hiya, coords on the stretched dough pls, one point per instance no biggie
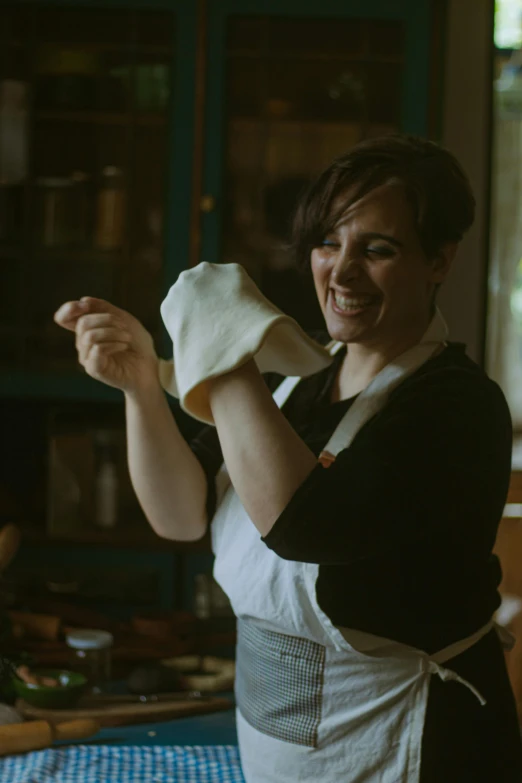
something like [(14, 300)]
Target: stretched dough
[(217, 320)]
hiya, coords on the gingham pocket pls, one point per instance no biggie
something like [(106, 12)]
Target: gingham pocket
[(279, 683)]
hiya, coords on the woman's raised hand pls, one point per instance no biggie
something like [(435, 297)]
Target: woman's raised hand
[(112, 345)]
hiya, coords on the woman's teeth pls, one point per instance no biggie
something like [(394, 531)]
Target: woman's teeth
[(349, 303)]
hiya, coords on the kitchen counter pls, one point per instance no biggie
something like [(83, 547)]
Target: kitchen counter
[(202, 749), (219, 728)]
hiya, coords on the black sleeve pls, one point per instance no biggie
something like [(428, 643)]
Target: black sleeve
[(434, 462)]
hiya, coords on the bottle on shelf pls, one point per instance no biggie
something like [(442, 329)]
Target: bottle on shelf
[(106, 486), (13, 131), (110, 210), (80, 207), (54, 211)]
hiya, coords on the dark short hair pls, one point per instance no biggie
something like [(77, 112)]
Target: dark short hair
[(434, 182)]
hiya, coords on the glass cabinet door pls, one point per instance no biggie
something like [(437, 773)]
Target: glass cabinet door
[(297, 92), (84, 105)]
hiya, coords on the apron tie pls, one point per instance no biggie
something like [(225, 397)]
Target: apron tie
[(448, 675)]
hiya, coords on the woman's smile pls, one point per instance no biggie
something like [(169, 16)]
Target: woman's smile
[(351, 305)]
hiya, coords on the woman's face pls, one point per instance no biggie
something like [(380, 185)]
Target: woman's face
[(372, 278)]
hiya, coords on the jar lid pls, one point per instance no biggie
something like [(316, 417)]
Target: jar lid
[(112, 171), (79, 177), (89, 639), (54, 182)]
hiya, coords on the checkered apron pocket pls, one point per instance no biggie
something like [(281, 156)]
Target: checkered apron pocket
[(279, 683)]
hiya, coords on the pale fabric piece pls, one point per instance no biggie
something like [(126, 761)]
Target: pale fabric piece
[(375, 690), (504, 337), (217, 320)]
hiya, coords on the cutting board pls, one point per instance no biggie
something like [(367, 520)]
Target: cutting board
[(125, 714)]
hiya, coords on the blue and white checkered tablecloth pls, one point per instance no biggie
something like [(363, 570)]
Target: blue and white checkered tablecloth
[(133, 764)]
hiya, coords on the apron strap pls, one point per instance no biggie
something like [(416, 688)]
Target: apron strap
[(284, 390), (452, 650), (374, 397), (286, 387), (432, 664), (447, 675)]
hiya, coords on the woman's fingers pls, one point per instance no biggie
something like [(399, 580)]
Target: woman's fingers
[(86, 323), (103, 336), (68, 314), (98, 355), (112, 345), (105, 349), (93, 305)]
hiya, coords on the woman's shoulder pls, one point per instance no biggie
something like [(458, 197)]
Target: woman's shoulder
[(452, 378)]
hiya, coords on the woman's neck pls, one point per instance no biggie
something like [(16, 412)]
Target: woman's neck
[(363, 362), (354, 375)]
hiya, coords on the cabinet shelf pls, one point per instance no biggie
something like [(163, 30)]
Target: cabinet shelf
[(79, 256), (144, 119), (347, 57), (120, 47)]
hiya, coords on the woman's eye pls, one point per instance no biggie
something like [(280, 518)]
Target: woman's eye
[(329, 243), (381, 251)]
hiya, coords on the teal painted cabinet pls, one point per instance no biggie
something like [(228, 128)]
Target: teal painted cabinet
[(291, 85), (96, 144), (138, 138)]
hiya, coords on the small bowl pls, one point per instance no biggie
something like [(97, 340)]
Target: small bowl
[(67, 694)]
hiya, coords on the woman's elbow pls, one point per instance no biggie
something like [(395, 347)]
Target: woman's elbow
[(188, 532)]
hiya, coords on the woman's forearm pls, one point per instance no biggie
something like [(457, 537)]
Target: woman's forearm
[(168, 480), (267, 461)]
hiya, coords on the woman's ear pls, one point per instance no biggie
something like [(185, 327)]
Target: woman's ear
[(442, 261)]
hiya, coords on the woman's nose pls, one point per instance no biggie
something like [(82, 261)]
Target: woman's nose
[(346, 267)]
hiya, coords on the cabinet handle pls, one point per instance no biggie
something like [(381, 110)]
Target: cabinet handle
[(207, 203)]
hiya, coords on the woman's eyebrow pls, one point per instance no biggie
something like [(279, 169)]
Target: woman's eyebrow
[(369, 235), (366, 236)]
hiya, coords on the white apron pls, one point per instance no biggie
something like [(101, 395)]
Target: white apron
[(316, 702)]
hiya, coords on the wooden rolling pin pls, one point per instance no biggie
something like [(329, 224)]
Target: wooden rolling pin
[(38, 626), (38, 734)]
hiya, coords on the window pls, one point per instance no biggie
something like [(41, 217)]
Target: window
[(504, 327)]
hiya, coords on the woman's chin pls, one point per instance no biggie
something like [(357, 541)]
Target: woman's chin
[(349, 329)]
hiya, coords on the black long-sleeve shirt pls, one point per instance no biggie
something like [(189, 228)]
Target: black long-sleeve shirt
[(402, 526), (403, 523)]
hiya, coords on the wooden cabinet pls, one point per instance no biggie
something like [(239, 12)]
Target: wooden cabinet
[(89, 171), (291, 85), (137, 139)]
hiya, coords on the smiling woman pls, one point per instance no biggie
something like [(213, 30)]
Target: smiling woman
[(364, 582), (380, 228), (383, 223)]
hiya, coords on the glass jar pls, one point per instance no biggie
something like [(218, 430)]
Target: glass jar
[(80, 207), (110, 210), (54, 211), (11, 211), (91, 655)]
